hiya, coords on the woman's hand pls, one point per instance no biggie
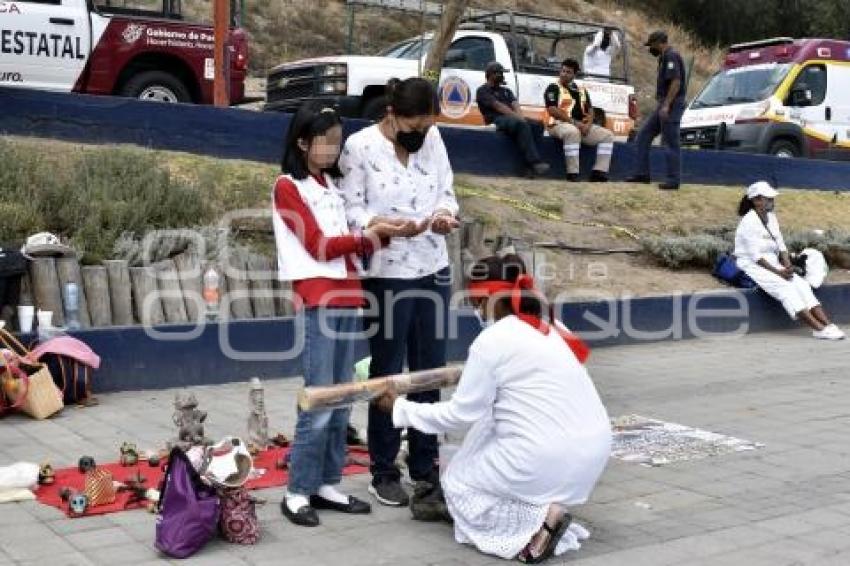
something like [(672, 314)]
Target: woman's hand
[(386, 402), (443, 222), (786, 273)]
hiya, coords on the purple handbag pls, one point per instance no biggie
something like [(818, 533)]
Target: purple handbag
[(188, 509)]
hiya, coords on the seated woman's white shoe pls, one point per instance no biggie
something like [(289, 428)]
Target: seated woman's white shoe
[(830, 332), (838, 330)]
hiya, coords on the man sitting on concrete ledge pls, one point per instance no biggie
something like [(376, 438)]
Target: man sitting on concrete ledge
[(499, 106)]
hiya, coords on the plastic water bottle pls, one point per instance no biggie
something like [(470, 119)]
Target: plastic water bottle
[(72, 306), (211, 292)]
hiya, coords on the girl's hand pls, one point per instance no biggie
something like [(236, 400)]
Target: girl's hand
[(380, 230)]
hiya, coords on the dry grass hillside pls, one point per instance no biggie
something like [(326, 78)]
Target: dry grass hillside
[(286, 30)]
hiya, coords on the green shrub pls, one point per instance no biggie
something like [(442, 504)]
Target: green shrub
[(677, 252), (91, 197)]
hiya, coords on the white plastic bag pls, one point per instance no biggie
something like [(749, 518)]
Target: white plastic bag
[(22, 475)]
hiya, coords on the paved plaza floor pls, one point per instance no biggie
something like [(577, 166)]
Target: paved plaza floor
[(786, 503)]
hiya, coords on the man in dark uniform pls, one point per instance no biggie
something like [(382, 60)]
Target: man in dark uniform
[(667, 117), (499, 106)]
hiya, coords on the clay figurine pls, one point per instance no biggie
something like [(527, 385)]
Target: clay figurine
[(258, 421), (189, 420), (46, 475), (65, 494), (129, 454), (86, 464)]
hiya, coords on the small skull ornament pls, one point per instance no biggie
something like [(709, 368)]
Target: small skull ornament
[(86, 464), (79, 503), (129, 454)]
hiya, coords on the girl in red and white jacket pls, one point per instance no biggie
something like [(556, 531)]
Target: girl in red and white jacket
[(316, 252)]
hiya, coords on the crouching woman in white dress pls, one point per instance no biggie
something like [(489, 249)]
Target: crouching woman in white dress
[(539, 437), (761, 253)]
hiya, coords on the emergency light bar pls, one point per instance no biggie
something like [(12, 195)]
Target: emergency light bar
[(761, 43)]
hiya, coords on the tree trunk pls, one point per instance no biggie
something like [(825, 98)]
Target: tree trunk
[(452, 13)]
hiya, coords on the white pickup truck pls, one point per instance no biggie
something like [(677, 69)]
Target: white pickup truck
[(530, 47)]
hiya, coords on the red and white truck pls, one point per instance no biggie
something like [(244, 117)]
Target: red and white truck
[(137, 48)]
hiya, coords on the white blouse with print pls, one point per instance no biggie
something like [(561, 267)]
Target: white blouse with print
[(755, 241), (376, 183)]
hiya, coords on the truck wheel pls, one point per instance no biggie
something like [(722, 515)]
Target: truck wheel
[(157, 86), (375, 109), (784, 148)]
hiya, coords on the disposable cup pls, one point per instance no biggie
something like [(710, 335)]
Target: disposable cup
[(45, 319), (25, 316)]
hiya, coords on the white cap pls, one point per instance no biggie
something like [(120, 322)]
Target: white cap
[(761, 189)]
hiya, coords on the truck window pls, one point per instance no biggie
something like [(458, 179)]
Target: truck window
[(812, 78), (410, 49), (472, 53), (161, 8)]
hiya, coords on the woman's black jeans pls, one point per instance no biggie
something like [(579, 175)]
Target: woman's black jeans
[(411, 319)]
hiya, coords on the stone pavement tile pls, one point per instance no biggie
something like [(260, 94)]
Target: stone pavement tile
[(16, 514), (31, 541), (111, 536), (65, 525), (789, 525), (124, 553), (42, 512), (69, 558), (792, 551), (826, 539), (839, 559)]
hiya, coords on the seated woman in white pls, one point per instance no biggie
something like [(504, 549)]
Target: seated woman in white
[(761, 253), (539, 437)]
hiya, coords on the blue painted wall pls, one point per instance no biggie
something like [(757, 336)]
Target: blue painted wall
[(258, 136), (133, 360)]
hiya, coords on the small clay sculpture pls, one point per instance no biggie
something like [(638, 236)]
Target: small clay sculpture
[(258, 421), (189, 420), (129, 454), (85, 464), (46, 475)]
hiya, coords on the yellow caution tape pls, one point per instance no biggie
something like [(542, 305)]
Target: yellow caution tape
[(528, 207)]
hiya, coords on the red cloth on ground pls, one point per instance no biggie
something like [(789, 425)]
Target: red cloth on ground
[(71, 477)]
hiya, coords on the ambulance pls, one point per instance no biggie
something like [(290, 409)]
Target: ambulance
[(782, 96), (138, 48)]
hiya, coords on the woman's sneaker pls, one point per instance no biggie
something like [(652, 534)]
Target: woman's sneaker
[(830, 332), (389, 492)]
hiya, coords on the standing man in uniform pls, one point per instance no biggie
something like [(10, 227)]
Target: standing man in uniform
[(499, 106), (569, 118), (667, 117)]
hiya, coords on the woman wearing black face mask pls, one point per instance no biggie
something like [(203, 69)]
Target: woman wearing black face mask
[(397, 171)]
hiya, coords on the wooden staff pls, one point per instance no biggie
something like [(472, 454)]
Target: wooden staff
[(344, 394)]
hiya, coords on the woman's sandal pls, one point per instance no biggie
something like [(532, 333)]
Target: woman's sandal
[(556, 533)]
